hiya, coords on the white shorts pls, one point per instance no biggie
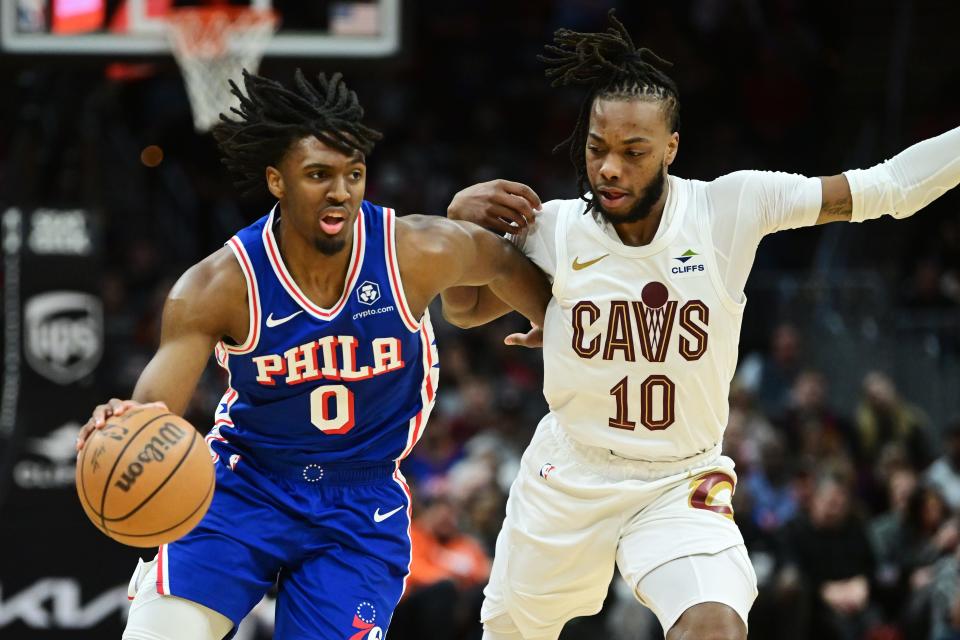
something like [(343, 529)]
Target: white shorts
[(576, 511)]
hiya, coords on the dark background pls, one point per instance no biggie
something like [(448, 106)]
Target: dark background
[(812, 87)]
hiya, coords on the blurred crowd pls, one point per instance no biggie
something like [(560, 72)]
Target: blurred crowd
[(850, 513)]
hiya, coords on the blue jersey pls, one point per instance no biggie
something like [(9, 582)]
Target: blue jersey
[(321, 406), (355, 382)]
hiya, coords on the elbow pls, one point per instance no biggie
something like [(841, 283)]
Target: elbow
[(459, 319)]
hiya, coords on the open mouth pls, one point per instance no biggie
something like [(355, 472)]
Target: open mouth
[(332, 223), (611, 197)]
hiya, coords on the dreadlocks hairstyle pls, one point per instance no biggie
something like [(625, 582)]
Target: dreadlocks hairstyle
[(614, 69), (272, 117)]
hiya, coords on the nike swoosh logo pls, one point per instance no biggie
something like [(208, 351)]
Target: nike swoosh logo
[(577, 265), (273, 323), (380, 517)]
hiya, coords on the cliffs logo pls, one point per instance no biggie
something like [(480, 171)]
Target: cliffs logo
[(51, 460), (64, 334), (687, 268)]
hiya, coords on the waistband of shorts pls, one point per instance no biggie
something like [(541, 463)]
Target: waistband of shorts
[(321, 472), (610, 462)]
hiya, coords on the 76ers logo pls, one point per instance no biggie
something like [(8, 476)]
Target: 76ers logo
[(364, 619)]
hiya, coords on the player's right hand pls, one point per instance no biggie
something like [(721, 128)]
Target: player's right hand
[(532, 339), (102, 412), (499, 205)]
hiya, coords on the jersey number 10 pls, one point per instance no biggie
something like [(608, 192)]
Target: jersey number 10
[(654, 415)]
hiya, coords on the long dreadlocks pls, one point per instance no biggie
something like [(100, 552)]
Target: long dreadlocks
[(272, 117), (614, 69)]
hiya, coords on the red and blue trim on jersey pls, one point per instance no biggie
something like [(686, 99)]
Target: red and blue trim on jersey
[(284, 414)]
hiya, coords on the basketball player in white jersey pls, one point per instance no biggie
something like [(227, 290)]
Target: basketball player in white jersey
[(640, 344)]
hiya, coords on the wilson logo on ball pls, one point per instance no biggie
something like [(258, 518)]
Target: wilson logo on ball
[(154, 451)]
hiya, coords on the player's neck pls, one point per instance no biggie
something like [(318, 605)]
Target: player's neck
[(642, 232), (319, 276)]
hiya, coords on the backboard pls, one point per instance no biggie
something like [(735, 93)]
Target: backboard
[(308, 28)]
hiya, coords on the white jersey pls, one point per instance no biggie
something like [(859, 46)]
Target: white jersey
[(640, 343)]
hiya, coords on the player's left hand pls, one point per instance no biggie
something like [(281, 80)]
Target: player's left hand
[(532, 339)]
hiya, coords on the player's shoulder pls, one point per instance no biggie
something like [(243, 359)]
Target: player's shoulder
[(424, 229), (209, 298), (553, 211), (215, 280), (427, 236)]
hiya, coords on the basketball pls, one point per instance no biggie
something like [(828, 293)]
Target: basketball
[(146, 478)]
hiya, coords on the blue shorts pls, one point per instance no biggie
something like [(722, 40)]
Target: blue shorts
[(334, 537)]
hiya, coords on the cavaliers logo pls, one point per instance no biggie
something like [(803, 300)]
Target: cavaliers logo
[(648, 322), (713, 491)]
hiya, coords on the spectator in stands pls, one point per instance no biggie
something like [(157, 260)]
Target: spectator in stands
[(829, 549), (447, 574), (884, 417), (771, 487), (748, 429), (932, 534), (811, 426), (886, 536), (771, 376), (944, 473), (945, 599)]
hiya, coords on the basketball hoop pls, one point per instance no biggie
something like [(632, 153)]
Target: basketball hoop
[(213, 45)]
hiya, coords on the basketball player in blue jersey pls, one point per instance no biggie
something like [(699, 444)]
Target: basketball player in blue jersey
[(640, 344), (318, 312)]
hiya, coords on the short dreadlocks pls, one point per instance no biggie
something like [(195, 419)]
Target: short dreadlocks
[(614, 69), (272, 117)]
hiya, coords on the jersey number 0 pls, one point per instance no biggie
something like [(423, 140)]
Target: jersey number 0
[(331, 409)]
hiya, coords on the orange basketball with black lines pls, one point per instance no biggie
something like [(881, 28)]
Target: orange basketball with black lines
[(146, 478)]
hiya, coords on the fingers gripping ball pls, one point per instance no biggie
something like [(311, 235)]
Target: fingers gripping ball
[(146, 478)]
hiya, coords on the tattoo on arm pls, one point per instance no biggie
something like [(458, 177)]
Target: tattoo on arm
[(837, 204)]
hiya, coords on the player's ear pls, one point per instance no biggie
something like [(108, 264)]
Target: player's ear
[(275, 182), (672, 145)]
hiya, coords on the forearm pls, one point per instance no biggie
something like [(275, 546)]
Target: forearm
[(172, 375), (174, 392), (907, 182), (521, 285), (467, 307)]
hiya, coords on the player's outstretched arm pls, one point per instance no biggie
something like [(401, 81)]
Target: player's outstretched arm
[(437, 254), (206, 303), (502, 206), (900, 187)]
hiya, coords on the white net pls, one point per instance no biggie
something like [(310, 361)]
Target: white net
[(213, 45)]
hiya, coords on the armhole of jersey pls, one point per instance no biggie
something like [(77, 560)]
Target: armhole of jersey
[(253, 300), (706, 232), (393, 271), (560, 241)]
